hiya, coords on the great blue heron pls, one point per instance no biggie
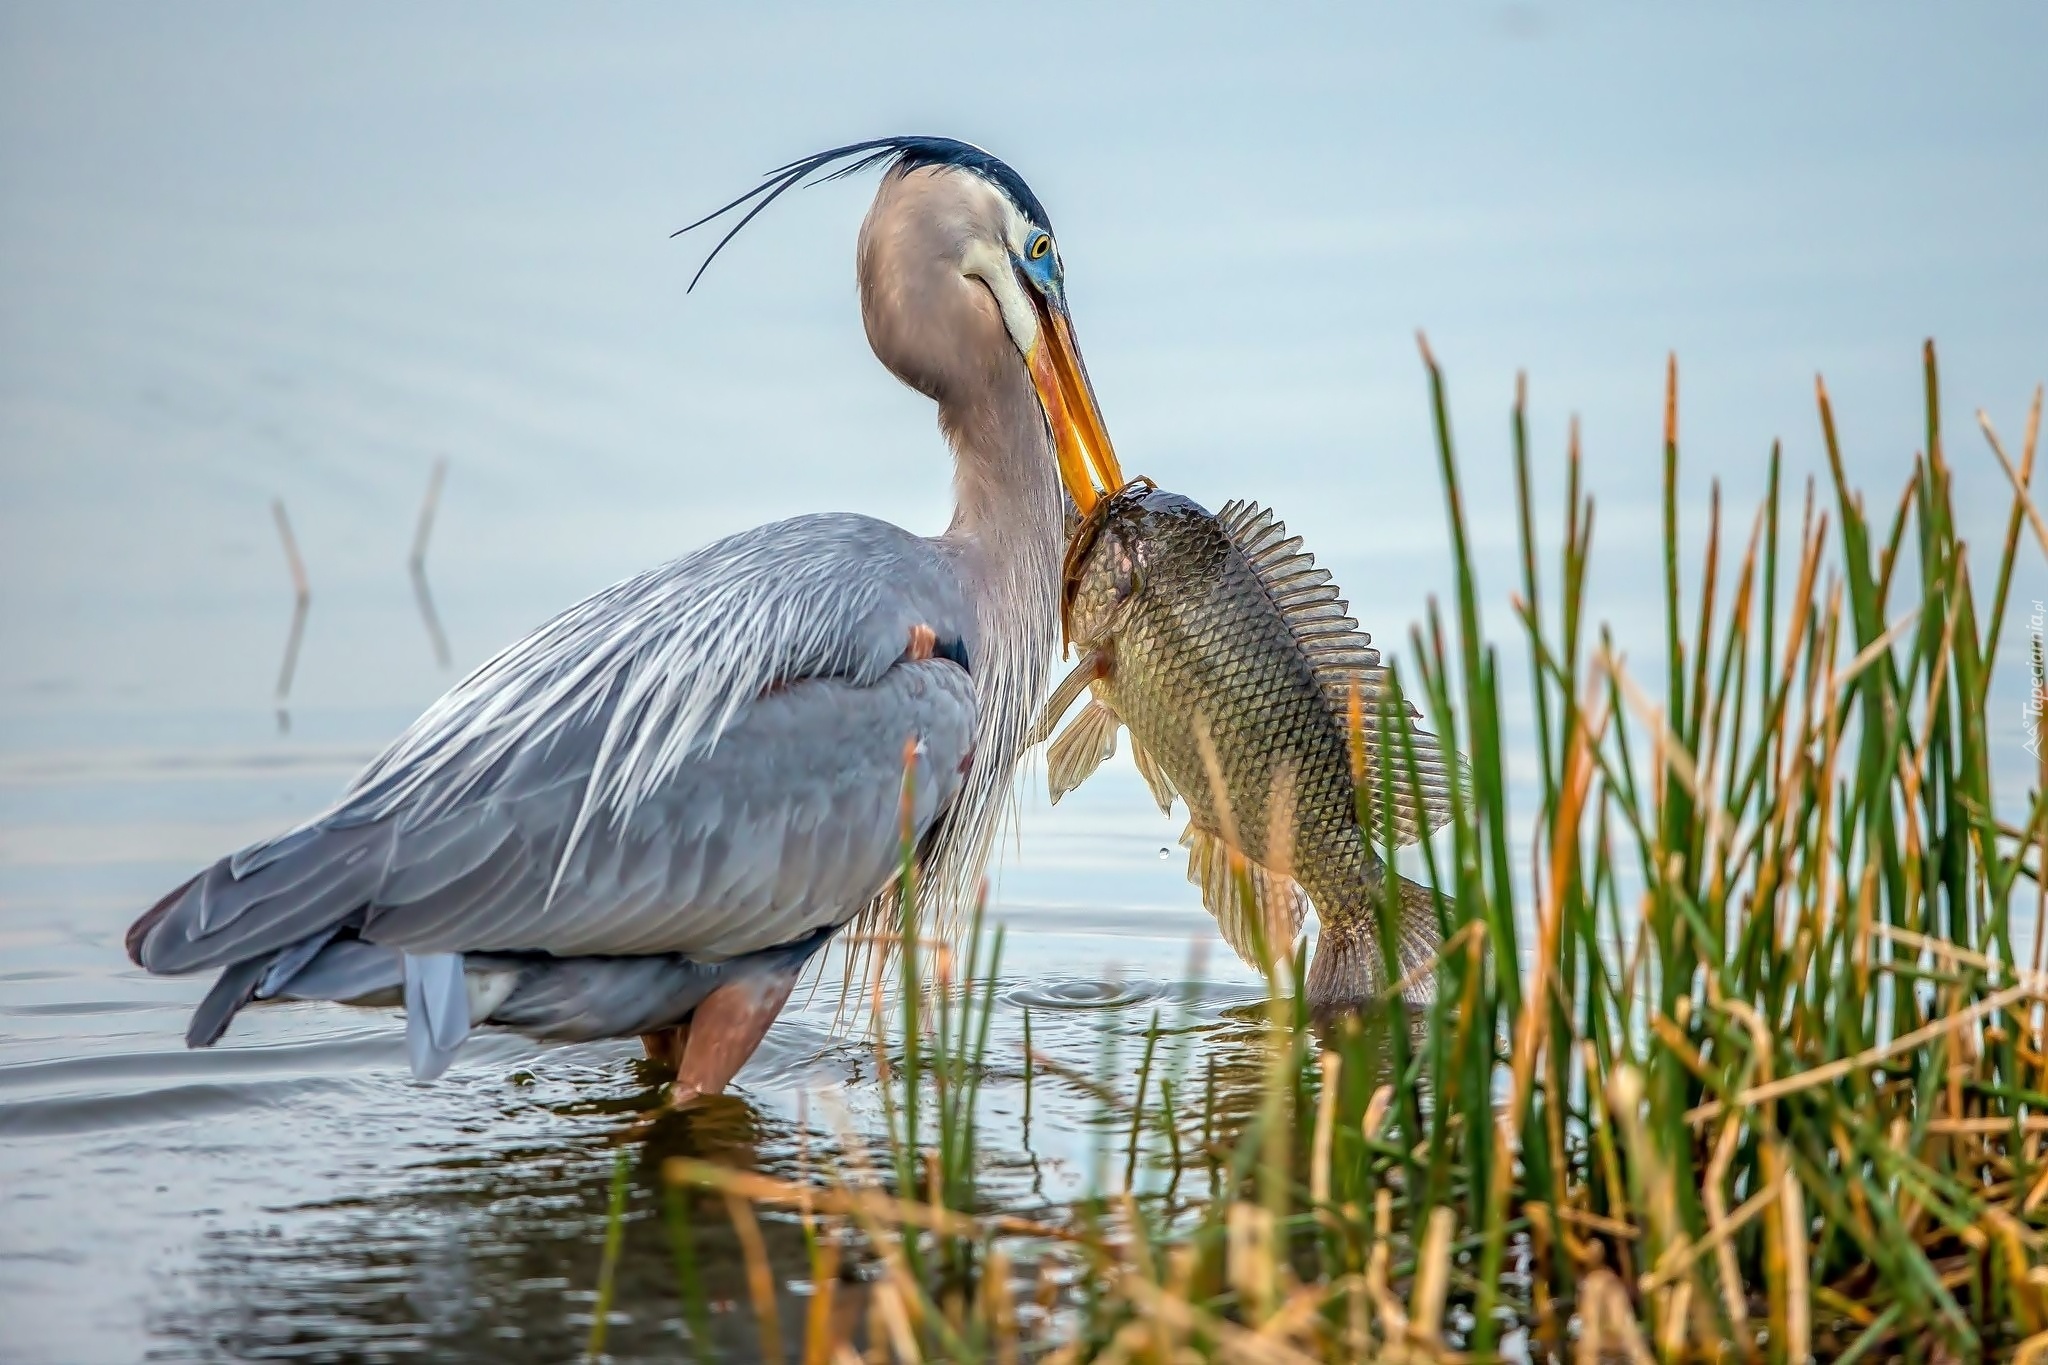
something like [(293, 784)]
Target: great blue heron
[(647, 815)]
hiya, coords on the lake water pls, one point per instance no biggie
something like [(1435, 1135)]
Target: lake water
[(255, 253)]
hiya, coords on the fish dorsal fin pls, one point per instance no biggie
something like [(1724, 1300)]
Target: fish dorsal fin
[(1163, 790), (1081, 748), (1342, 657), (1278, 904)]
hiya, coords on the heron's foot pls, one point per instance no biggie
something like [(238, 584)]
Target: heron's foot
[(725, 1030), (666, 1045), (924, 642)]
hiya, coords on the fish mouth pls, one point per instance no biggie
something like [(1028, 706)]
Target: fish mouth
[(1078, 549), (1087, 460)]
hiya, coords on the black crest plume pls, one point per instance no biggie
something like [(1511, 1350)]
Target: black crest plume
[(855, 157)]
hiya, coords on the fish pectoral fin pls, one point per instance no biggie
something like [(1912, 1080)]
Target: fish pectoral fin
[(1063, 698), (1277, 906), (1163, 790), (1081, 748)]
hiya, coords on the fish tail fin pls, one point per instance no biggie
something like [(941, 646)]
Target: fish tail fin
[(1348, 970)]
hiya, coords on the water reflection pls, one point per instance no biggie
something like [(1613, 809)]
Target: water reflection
[(489, 1246), (492, 1254)]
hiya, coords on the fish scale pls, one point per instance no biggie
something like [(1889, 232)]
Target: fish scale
[(1196, 627)]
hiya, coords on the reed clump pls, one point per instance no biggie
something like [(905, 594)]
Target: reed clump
[(1745, 1066)]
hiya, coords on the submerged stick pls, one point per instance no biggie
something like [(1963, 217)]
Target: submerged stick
[(302, 601), (416, 563)]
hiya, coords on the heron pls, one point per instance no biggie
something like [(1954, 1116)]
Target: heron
[(645, 817)]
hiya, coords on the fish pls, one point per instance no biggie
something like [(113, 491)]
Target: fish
[(1229, 656)]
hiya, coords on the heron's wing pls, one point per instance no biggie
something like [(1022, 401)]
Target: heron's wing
[(669, 658), (699, 759), (790, 824)]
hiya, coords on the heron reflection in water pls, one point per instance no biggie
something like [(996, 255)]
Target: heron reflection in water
[(646, 816)]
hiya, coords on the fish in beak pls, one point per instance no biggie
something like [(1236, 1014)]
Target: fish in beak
[(1087, 461)]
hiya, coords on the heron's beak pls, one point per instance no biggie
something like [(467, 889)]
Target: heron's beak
[(1088, 464)]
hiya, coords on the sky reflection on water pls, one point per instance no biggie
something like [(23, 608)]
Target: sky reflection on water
[(298, 253)]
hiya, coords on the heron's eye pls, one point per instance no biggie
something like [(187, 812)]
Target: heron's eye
[(1039, 246)]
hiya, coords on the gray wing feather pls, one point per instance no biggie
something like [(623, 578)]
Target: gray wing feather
[(788, 826), (232, 989), (748, 846), (705, 760), (572, 999), (669, 659), (350, 970), (222, 918)]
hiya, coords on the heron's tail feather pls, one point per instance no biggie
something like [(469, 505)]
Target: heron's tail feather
[(439, 996), (232, 989), (263, 900), (436, 1011)]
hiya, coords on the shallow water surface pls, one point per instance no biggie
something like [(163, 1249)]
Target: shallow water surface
[(301, 253), (293, 1192)]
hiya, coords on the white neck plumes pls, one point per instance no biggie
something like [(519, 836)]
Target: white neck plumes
[(1007, 538)]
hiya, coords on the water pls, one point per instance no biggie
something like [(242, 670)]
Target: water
[(248, 254)]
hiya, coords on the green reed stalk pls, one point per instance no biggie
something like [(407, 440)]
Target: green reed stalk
[(608, 1268), (689, 1283), (1770, 1081)]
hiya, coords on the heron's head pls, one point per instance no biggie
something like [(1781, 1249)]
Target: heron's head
[(961, 281)]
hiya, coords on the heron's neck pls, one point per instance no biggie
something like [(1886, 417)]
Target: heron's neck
[(1008, 511), (1009, 525)]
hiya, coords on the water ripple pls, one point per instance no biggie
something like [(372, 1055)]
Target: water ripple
[(66, 1115), (1083, 994)]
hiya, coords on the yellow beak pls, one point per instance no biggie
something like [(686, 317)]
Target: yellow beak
[(1087, 461)]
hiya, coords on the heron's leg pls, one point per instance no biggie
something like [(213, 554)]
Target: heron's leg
[(924, 642), (724, 1031), (666, 1045)]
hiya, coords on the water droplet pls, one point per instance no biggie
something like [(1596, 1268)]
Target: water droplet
[(1165, 853)]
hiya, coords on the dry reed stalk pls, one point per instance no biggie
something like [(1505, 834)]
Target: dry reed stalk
[(1234, 1343), (1798, 1293), (760, 1278), (1432, 1277), (1249, 1260), (895, 1324), (1835, 1070), (1331, 1066), (2021, 498), (874, 1203), (820, 1330), (1678, 1260), (1000, 1306)]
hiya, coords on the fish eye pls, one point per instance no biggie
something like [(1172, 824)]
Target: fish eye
[(1040, 244)]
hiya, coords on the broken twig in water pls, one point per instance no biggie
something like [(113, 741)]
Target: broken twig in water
[(422, 595), (302, 601)]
